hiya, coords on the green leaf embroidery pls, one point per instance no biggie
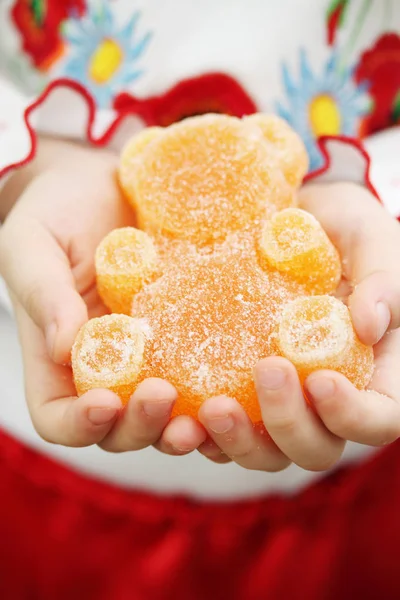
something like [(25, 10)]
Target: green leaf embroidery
[(340, 6), (396, 108), (38, 8)]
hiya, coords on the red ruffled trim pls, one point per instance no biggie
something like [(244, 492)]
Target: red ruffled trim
[(322, 144), (150, 111), (80, 89), (210, 92)]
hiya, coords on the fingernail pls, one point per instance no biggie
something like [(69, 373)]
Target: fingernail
[(221, 424), (157, 409), (383, 320), (321, 388), (272, 379), (101, 416), (51, 335)]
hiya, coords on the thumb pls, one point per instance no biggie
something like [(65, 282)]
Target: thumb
[(38, 274), (375, 305), (368, 238)]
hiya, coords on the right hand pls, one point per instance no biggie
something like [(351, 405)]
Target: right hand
[(47, 247)]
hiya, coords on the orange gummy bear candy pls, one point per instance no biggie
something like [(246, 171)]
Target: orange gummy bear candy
[(223, 271)]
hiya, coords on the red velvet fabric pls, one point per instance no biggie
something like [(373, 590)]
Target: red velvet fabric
[(67, 537)]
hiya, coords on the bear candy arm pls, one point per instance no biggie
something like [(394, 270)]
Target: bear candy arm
[(126, 259), (293, 242)]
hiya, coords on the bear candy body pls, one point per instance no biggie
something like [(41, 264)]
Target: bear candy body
[(222, 271)]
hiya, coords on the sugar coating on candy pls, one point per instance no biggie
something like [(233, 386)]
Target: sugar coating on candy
[(218, 265), (213, 316), (131, 155), (108, 353), (293, 241), (125, 260), (205, 177), (317, 333), (289, 149)]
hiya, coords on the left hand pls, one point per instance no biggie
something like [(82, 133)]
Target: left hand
[(369, 238)]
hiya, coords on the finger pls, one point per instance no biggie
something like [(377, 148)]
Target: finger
[(368, 239), (181, 436), (213, 452), (78, 422), (290, 421), (144, 418), (386, 376), (57, 414), (38, 274), (368, 417), (230, 428), (375, 306)]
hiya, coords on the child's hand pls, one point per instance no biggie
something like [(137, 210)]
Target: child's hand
[(369, 239), (47, 247)]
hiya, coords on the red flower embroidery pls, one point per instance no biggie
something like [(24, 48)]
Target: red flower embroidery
[(38, 22), (214, 92), (380, 69)]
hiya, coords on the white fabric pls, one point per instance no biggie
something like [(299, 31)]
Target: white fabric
[(384, 148), (15, 140), (251, 41)]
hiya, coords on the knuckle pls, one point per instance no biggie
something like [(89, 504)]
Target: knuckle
[(127, 441), (337, 416), (242, 455), (117, 446), (110, 447), (391, 434), (346, 423), (147, 437), (278, 464), (220, 459), (284, 425), (30, 298), (213, 453), (42, 430), (320, 463)]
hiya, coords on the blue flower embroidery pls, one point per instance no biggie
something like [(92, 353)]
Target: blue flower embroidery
[(327, 104), (101, 56)]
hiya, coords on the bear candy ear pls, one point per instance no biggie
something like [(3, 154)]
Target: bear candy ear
[(288, 147), (130, 158)]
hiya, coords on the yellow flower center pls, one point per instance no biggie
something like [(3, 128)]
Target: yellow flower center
[(105, 61), (324, 115)]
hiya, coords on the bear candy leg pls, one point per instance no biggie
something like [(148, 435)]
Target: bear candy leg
[(316, 332), (108, 353)]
